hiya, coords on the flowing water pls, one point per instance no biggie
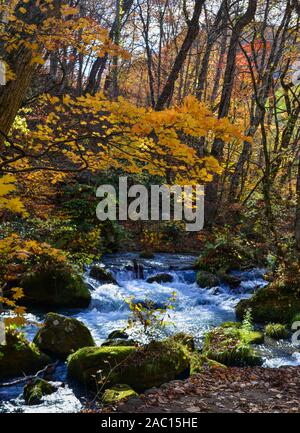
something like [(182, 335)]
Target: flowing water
[(196, 311)]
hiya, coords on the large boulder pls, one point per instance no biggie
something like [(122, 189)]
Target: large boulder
[(102, 275), (60, 336), (18, 356), (231, 346), (55, 288), (117, 393), (35, 390), (223, 257), (277, 302), (160, 278), (141, 368)]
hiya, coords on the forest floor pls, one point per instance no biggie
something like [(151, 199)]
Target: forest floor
[(233, 389)]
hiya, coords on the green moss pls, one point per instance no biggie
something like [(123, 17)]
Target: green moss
[(231, 346), (141, 368), (55, 288), (117, 393), (295, 318), (160, 278), (34, 391), (60, 336), (18, 356), (273, 303), (199, 362), (206, 279), (186, 340), (276, 331)]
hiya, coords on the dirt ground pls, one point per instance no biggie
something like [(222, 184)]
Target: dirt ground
[(231, 390)]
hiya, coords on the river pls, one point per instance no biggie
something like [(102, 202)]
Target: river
[(196, 311)]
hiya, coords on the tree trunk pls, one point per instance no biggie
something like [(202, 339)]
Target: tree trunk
[(164, 98)]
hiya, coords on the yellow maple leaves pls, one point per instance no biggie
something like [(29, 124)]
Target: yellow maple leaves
[(14, 204)]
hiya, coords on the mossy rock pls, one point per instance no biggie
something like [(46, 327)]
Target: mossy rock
[(119, 342), (146, 255), (118, 333), (117, 393), (186, 340), (231, 346), (250, 337), (18, 356), (160, 278), (55, 288), (276, 331), (274, 303), (223, 257), (35, 390), (60, 336), (141, 368), (199, 362), (101, 274), (206, 279)]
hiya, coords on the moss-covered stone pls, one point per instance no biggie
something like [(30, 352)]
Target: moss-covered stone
[(199, 362), (117, 393), (60, 336), (161, 278), (249, 337), (206, 279), (273, 303), (146, 255), (18, 356), (54, 288), (186, 340), (119, 342), (223, 257), (276, 331), (118, 333), (35, 390), (101, 274), (231, 346), (140, 368)]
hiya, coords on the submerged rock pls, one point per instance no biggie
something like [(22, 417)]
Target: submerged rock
[(206, 279), (231, 280), (18, 356), (101, 274), (146, 255), (140, 368), (55, 288), (117, 393), (160, 278), (60, 336), (35, 390)]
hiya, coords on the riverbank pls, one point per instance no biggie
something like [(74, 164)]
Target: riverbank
[(230, 390)]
